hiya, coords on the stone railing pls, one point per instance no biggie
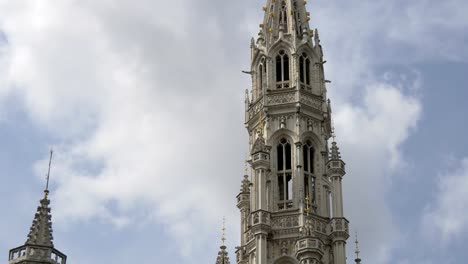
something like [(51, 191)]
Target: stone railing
[(36, 253), (339, 229), (285, 205), (260, 156), (281, 98), (287, 221), (311, 100), (261, 217), (340, 224), (308, 244), (255, 108)]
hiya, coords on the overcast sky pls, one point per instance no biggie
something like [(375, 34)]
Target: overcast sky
[(142, 102)]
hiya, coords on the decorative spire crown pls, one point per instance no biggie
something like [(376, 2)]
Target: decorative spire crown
[(223, 257), (40, 233), (335, 153), (358, 260), (285, 17)]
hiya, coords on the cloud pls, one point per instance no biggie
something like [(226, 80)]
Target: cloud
[(370, 136), (445, 218), (144, 112)]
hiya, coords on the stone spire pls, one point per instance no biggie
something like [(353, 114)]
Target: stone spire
[(40, 233), (358, 260), (285, 17), (39, 247), (223, 257)]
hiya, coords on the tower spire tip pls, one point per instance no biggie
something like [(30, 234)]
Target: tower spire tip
[(223, 229), (46, 191)]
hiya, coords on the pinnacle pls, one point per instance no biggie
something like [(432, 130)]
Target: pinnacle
[(287, 16), (335, 154), (40, 233)]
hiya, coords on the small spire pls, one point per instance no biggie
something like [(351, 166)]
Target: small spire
[(223, 257), (40, 233), (358, 260)]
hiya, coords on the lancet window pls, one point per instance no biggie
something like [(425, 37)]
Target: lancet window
[(304, 69), (261, 78), (282, 70), (284, 161), (309, 176)]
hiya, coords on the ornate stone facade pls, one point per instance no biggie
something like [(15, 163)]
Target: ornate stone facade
[(291, 204)]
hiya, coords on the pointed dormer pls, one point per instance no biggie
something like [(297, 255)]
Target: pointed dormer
[(39, 247)]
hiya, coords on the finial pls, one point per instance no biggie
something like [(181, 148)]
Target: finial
[(223, 237), (358, 260), (333, 130), (46, 191)]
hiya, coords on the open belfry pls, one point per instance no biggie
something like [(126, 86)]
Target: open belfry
[(291, 204)]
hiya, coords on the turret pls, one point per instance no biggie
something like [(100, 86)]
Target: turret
[(339, 224), (288, 119)]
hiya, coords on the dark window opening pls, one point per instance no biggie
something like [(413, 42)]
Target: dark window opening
[(308, 153), (282, 70), (285, 180), (301, 66), (304, 69), (286, 67), (288, 156), (281, 188), (280, 157), (278, 68)]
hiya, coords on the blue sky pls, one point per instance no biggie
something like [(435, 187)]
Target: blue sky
[(143, 104)]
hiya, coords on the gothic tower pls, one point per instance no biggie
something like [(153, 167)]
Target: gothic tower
[(39, 247), (292, 205)]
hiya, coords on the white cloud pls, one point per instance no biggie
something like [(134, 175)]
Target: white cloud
[(446, 219), (370, 136)]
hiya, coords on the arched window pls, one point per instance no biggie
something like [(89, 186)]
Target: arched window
[(283, 16), (284, 165), (304, 69), (282, 70), (309, 176)]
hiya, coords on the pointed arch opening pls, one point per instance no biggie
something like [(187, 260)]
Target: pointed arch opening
[(284, 173), (304, 71), (283, 17), (282, 70), (308, 154)]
